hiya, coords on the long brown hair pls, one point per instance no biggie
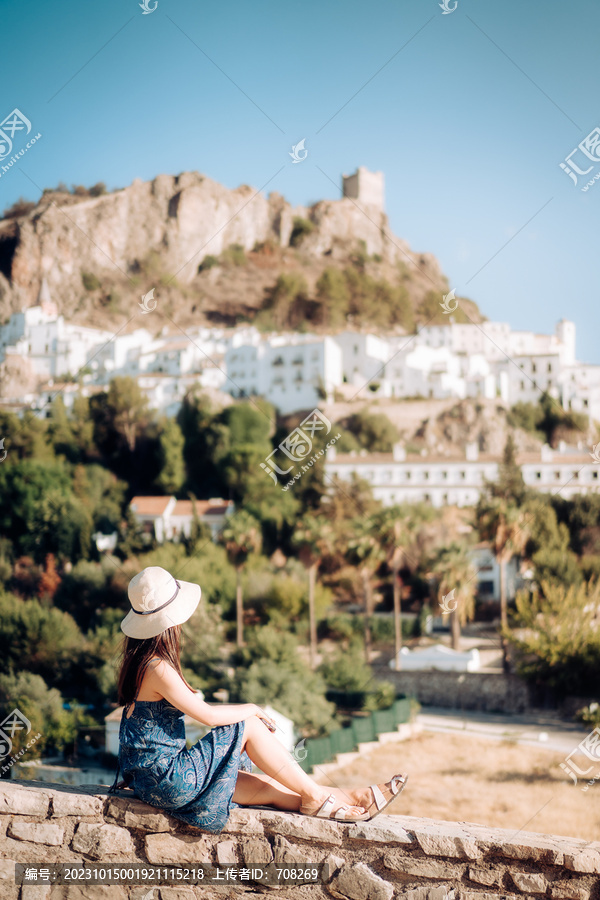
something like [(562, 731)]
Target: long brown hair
[(137, 653)]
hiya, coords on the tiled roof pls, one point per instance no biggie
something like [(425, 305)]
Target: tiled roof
[(215, 506), (149, 506)]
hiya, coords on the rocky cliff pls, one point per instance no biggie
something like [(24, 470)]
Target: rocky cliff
[(99, 253)]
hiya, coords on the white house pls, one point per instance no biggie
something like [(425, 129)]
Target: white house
[(168, 519), (292, 372), (458, 480)]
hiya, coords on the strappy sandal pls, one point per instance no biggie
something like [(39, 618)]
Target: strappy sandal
[(395, 786), (326, 811)]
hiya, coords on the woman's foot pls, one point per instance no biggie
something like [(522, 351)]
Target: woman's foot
[(338, 806), (366, 798)]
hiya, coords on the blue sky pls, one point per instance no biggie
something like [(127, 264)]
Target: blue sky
[(468, 115)]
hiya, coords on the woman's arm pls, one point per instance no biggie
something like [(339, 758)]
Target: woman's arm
[(163, 679)]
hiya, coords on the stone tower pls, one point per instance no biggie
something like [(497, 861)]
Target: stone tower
[(367, 188)]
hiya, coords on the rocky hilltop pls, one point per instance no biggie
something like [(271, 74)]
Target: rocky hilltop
[(99, 253)]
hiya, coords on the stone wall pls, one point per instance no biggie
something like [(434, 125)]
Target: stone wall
[(485, 692), (394, 856)]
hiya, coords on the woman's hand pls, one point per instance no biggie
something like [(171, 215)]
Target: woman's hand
[(261, 714)]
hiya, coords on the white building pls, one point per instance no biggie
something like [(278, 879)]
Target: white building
[(458, 480), (169, 519), (290, 371)]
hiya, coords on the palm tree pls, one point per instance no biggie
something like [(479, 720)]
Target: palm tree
[(457, 585), (313, 537), (505, 526), (365, 549), (241, 536), (399, 529)]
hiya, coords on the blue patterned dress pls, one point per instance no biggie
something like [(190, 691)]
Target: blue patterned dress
[(195, 784)]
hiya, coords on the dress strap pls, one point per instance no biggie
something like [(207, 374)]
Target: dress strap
[(113, 788)]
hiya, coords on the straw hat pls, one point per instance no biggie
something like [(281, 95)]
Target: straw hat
[(158, 602)]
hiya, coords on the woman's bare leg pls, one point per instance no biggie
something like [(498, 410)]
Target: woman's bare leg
[(270, 755), (260, 790)]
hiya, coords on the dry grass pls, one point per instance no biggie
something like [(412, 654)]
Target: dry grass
[(469, 779)]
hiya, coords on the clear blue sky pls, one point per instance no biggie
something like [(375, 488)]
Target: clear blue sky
[(467, 114)]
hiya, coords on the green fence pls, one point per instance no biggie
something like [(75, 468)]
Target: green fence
[(364, 728)]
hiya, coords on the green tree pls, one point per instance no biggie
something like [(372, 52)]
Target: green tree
[(400, 529), (171, 443), (505, 526), (313, 537), (241, 536), (373, 431), (558, 639), (44, 707), (333, 298), (271, 671), (457, 586), (127, 408), (365, 550)]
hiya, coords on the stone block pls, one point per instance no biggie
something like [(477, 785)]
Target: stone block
[(7, 871), (484, 876), (226, 855), (544, 850), (381, 833), (530, 882), (422, 868), (334, 865), (36, 891), (587, 861), (360, 883), (182, 893), (95, 892), (22, 800), (444, 845), (65, 803), (136, 814), (485, 895), (244, 821), (569, 890), (305, 827), (178, 849), (103, 842), (256, 851), (37, 832), (289, 854)]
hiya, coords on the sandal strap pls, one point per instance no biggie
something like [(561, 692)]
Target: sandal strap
[(324, 811), (379, 798), (339, 813)]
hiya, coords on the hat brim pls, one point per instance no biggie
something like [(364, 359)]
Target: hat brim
[(176, 613)]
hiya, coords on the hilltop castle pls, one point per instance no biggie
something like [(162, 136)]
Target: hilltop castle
[(367, 188)]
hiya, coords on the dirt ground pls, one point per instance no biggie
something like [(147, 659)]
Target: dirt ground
[(469, 779)]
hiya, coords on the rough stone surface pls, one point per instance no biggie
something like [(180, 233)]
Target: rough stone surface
[(135, 814), (399, 856), (529, 882), (424, 868), (441, 845), (38, 833), (24, 801), (226, 853), (257, 851), (103, 842), (36, 892), (584, 861), (178, 849), (289, 854), (73, 804), (569, 891), (360, 883), (304, 827), (484, 876)]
